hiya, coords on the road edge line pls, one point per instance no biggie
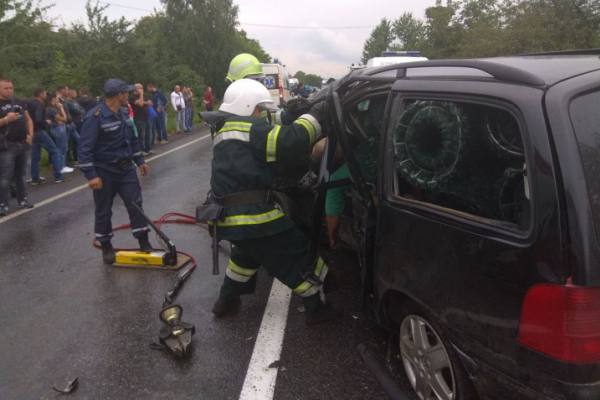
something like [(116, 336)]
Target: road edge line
[(260, 380), (78, 188)]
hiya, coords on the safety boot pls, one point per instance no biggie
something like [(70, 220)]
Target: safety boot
[(318, 312), (108, 253), (145, 246), (223, 307)]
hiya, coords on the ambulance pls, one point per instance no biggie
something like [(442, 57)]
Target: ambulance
[(277, 80)]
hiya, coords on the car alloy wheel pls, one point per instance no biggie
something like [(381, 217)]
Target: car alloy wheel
[(426, 360)]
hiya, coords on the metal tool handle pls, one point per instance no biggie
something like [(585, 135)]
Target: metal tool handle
[(215, 249), (160, 233)]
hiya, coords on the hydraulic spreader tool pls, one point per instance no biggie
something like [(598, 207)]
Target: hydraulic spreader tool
[(175, 334)]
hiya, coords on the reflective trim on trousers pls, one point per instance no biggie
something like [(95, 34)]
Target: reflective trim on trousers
[(239, 220), (238, 273), (100, 235), (306, 289), (140, 229), (272, 143)]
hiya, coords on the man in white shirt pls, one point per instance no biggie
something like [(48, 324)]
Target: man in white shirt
[(179, 106)]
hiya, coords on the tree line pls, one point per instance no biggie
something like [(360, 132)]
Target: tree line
[(189, 42), (488, 28)]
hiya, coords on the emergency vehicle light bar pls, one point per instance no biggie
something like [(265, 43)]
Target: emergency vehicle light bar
[(410, 53)]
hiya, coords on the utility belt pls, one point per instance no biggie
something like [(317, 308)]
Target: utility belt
[(213, 210), (122, 163), (214, 207)]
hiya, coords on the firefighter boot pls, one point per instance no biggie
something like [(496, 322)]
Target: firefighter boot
[(223, 307), (108, 253), (317, 311), (145, 246)]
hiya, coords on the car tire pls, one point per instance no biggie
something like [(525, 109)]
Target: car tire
[(428, 360)]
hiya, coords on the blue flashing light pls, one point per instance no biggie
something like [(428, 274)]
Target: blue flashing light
[(409, 53)]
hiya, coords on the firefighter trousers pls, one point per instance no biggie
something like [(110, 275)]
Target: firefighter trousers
[(283, 256)]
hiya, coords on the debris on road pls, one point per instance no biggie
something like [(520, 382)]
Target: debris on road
[(70, 388)]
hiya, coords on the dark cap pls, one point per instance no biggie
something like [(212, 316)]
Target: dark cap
[(113, 87)]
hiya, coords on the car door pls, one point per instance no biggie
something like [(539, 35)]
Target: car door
[(462, 228), (364, 117)]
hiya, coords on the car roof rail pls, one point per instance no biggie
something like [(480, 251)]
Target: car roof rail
[(577, 52), (500, 72)]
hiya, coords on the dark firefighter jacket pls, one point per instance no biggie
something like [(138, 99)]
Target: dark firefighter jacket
[(244, 156)]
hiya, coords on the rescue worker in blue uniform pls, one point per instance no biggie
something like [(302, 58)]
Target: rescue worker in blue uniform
[(246, 150), (108, 149)]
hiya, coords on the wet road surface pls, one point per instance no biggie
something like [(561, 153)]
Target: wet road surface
[(65, 314)]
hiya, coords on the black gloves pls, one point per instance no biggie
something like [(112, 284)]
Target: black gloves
[(297, 106), (319, 111)]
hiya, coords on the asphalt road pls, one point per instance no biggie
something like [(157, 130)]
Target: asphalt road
[(64, 314)]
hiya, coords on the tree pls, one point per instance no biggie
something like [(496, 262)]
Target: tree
[(409, 31), (379, 41), (443, 35), (309, 79), (27, 45)]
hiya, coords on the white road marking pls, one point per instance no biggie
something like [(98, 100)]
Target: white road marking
[(78, 188), (260, 379)]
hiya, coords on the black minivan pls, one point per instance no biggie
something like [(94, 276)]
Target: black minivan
[(476, 204)]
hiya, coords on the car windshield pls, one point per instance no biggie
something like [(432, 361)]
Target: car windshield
[(585, 117)]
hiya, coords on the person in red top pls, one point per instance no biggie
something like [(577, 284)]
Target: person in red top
[(208, 99)]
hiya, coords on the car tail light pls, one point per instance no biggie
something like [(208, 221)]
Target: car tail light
[(562, 322), (280, 92)]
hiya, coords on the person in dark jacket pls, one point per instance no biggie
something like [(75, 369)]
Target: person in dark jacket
[(160, 104), (246, 149), (85, 100), (107, 152), (41, 140), (16, 134), (62, 93)]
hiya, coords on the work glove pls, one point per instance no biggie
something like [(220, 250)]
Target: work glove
[(297, 106), (319, 112)]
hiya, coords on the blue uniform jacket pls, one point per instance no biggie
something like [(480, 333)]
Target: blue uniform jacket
[(158, 99), (106, 139)]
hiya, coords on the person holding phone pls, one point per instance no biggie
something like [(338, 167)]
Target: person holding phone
[(16, 134), (141, 116)]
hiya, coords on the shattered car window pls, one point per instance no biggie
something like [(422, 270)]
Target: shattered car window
[(585, 117), (369, 115), (462, 156)]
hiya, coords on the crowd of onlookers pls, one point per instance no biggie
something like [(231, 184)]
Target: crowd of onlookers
[(56, 118)]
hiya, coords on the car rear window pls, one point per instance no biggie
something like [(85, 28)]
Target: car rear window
[(585, 117)]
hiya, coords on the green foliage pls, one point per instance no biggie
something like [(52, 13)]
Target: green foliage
[(487, 28), (379, 41), (190, 43), (309, 79)]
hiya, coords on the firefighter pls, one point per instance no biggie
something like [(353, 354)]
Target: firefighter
[(108, 149), (246, 66), (246, 149)]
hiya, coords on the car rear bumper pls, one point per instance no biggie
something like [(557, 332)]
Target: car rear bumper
[(492, 384)]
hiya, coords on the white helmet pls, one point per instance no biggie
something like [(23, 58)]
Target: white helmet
[(242, 96)]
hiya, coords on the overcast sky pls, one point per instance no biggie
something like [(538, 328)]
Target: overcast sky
[(326, 52)]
